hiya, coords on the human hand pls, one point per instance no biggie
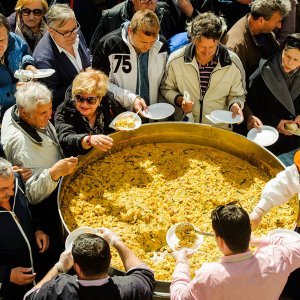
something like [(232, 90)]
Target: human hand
[(66, 261), (256, 217), (254, 122), (236, 110), (110, 236), (42, 240), (25, 173), (186, 7), (139, 104), (18, 276), (31, 68), (281, 127), (101, 142), (63, 167), (183, 254), (187, 106)]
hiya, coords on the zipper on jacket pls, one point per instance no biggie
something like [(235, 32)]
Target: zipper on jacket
[(21, 229), (25, 238)]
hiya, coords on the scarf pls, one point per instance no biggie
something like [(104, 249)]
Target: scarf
[(31, 37)]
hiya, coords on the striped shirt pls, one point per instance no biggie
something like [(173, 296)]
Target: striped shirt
[(205, 72)]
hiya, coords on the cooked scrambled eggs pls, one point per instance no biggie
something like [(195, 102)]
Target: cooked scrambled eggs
[(142, 191)]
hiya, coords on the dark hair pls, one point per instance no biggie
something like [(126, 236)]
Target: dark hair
[(267, 8), (208, 25), (92, 254), (4, 22), (292, 41), (232, 224)]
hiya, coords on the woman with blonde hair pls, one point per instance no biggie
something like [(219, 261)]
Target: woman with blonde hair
[(28, 21), (82, 120)]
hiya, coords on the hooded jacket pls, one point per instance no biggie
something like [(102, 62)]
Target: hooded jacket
[(116, 57)]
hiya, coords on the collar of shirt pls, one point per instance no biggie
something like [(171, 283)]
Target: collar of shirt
[(75, 46), (237, 257), (96, 282), (76, 61)]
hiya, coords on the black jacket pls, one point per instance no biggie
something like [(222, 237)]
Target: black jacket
[(113, 18), (14, 250), (71, 127), (271, 100)]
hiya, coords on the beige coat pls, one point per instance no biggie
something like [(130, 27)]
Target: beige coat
[(226, 86)]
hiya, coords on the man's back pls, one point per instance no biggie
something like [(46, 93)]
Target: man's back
[(246, 276), (137, 284)]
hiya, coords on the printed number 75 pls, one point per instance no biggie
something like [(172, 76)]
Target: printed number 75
[(126, 65)]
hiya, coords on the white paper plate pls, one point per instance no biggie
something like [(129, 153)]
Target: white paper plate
[(284, 233), (77, 232), (172, 239), (41, 73), (225, 116), (124, 115), (210, 118), (265, 136), (159, 111)]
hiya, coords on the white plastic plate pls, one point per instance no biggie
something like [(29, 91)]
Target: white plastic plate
[(225, 116), (265, 136), (158, 111), (41, 73), (284, 232), (77, 232), (173, 240), (126, 114)]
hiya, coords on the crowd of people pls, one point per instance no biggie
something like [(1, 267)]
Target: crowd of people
[(114, 56)]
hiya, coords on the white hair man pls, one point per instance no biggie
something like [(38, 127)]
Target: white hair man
[(29, 140)]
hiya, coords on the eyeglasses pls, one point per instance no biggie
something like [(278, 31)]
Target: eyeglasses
[(68, 33), (89, 100), (36, 12), (146, 1)]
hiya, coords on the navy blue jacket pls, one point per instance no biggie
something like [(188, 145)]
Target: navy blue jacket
[(16, 57), (14, 250), (47, 56)]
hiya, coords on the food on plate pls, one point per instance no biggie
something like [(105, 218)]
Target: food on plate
[(141, 191), (128, 122), (187, 236), (291, 126)]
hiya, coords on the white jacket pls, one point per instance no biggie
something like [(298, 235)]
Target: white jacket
[(28, 148), (280, 189), (119, 59)]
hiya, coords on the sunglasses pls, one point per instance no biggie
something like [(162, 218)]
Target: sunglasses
[(89, 100), (36, 12)]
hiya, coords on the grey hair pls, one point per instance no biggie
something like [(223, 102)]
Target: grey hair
[(207, 25), (58, 15), (31, 94), (5, 168), (266, 8)]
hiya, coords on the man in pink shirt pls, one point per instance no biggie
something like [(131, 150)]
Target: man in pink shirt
[(240, 274)]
